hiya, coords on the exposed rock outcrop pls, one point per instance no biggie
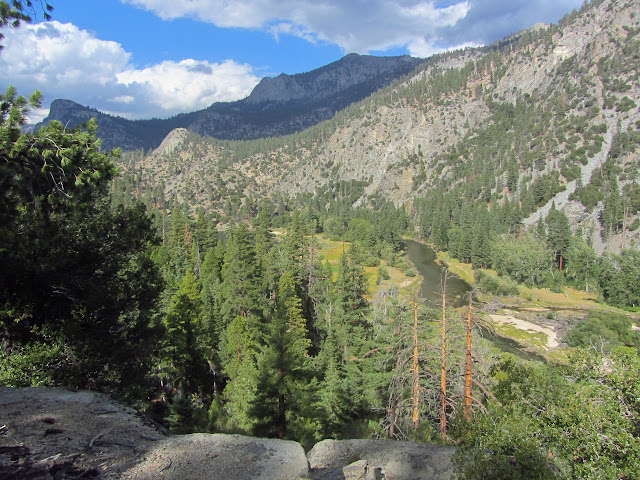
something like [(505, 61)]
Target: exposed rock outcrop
[(49, 433), (48, 430), (204, 456), (376, 459)]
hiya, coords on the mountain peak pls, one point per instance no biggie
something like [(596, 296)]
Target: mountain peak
[(282, 88), (277, 106), (350, 71)]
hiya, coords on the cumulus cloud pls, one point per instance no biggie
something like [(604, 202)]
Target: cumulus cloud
[(420, 48), (488, 21), (372, 25), (190, 83), (64, 61)]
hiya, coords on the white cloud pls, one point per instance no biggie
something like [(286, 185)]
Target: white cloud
[(64, 61), (190, 84), (372, 25), (53, 52), (123, 99), (421, 48), (356, 25)]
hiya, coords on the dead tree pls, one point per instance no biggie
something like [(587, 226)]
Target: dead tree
[(468, 402), (415, 390), (410, 351), (443, 372)]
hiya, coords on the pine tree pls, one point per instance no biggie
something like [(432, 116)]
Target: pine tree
[(558, 235), (335, 405), (183, 352), (242, 292), (282, 365), (75, 272), (238, 353), (612, 206), (353, 307)]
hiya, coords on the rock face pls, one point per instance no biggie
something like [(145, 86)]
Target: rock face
[(376, 459), (76, 433), (172, 141), (48, 433), (325, 82)]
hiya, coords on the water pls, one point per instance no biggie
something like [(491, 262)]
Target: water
[(424, 259)]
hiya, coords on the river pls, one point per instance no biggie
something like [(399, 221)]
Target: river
[(424, 260)]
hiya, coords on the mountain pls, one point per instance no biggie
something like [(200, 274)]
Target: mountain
[(277, 106), (545, 118)]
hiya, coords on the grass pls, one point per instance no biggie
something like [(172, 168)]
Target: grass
[(570, 298), (538, 340), (332, 251), (535, 342), (461, 270)]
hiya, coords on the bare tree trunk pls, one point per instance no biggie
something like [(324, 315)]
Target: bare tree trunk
[(443, 373), (416, 368), (282, 412), (467, 373), (624, 224)]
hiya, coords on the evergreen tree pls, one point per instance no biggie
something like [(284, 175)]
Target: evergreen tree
[(335, 403), (73, 269), (352, 305), (238, 352), (242, 292), (281, 366), (558, 235), (612, 207), (183, 353)]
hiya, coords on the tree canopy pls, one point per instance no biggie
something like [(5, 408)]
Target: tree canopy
[(76, 273)]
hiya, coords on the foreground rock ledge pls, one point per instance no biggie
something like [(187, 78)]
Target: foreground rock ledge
[(48, 433)]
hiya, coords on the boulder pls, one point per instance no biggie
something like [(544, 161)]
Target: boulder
[(374, 459), (219, 456), (53, 433)]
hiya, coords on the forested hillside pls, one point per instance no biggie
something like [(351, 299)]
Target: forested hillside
[(547, 115), (277, 106)]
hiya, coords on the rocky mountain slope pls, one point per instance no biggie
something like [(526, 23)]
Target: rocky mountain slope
[(277, 106), (51, 433), (547, 116)]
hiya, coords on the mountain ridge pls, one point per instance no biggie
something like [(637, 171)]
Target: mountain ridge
[(277, 106), (511, 124)]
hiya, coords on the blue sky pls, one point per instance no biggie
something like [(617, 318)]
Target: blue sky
[(157, 58)]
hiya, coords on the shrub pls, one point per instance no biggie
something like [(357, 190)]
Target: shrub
[(498, 285), (602, 330)]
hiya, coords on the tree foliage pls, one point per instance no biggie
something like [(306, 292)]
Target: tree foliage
[(74, 270)]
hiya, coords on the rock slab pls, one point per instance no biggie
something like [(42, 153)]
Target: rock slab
[(49, 433), (219, 456), (374, 459)]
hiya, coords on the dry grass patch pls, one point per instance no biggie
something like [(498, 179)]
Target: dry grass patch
[(464, 271), (332, 251)]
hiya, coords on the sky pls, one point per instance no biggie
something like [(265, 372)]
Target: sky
[(158, 58)]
